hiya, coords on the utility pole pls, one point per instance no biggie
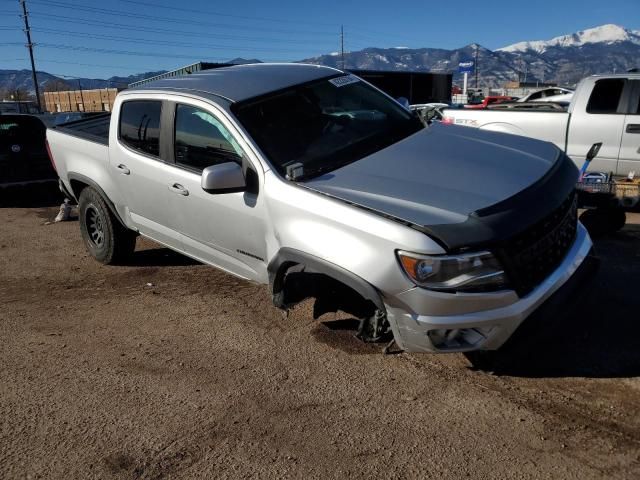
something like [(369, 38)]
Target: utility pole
[(84, 107), (475, 65), (342, 45), (27, 31)]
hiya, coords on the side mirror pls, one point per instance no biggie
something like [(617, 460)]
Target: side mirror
[(223, 178), (593, 151)]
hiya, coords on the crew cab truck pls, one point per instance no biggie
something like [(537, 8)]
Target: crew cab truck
[(314, 182), (604, 108)]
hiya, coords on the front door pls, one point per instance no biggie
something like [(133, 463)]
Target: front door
[(602, 122), (630, 147), (227, 230)]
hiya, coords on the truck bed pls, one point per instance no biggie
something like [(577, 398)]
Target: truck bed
[(95, 129), (547, 125)]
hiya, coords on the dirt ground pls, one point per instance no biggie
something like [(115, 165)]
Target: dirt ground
[(169, 369)]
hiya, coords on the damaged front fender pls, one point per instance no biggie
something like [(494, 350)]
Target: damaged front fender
[(295, 276)]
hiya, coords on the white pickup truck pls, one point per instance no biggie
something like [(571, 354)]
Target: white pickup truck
[(603, 109)]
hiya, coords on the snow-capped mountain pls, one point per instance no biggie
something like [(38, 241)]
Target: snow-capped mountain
[(605, 34), (563, 60)]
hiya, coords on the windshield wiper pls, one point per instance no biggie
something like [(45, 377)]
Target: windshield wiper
[(310, 173)]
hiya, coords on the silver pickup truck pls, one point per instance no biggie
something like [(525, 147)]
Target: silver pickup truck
[(604, 109), (314, 182)]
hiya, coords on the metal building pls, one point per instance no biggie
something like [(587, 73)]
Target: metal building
[(186, 70)]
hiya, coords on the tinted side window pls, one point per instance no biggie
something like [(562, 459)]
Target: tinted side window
[(140, 125), (606, 96), (202, 141)]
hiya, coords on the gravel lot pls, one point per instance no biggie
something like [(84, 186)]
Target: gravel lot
[(169, 369)]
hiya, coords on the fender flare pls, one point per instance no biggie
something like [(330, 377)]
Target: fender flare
[(289, 256), (87, 181)]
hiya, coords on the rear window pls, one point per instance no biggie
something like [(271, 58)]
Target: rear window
[(140, 125), (606, 96), (7, 125)]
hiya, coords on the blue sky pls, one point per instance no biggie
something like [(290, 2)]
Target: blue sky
[(101, 38)]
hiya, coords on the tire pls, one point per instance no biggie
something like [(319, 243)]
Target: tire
[(104, 237), (618, 219), (600, 221)]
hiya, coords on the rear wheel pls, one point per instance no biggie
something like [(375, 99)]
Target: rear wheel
[(104, 237)]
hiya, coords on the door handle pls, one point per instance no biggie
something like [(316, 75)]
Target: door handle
[(179, 189), (633, 128), (123, 169)]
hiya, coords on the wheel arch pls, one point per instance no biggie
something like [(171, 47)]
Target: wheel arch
[(288, 257), (79, 182)]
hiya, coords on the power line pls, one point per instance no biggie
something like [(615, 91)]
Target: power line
[(107, 50), (162, 42), (218, 14), (166, 32), (136, 69), (155, 18)]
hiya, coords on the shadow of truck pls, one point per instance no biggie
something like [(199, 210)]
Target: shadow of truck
[(595, 336)]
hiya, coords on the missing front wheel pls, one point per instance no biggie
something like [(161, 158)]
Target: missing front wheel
[(375, 328)]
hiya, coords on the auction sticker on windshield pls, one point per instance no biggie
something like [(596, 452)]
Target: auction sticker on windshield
[(346, 80)]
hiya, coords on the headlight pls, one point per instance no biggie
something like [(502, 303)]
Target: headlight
[(460, 273)]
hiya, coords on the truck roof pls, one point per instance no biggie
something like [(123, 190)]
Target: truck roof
[(241, 82)]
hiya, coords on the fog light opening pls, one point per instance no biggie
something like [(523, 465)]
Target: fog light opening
[(458, 338)]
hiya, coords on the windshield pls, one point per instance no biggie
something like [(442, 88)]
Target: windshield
[(325, 124)]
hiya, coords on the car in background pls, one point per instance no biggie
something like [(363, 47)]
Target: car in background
[(490, 100), (429, 112), (23, 151), (18, 106), (604, 108), (554, 94), (537, 106)]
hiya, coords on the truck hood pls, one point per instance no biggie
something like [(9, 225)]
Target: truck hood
[(442, 174)]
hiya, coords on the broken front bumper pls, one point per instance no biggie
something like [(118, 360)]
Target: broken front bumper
[(484, 328)]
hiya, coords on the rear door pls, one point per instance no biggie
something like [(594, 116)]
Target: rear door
[(601, 121), (139, 163), (630, 148)]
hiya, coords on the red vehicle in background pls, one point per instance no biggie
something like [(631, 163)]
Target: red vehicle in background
[(486, 101)]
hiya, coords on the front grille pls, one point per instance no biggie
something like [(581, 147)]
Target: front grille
[(532, 255)]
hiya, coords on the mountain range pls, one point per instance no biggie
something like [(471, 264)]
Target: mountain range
[(12, 80), (563, 60)]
